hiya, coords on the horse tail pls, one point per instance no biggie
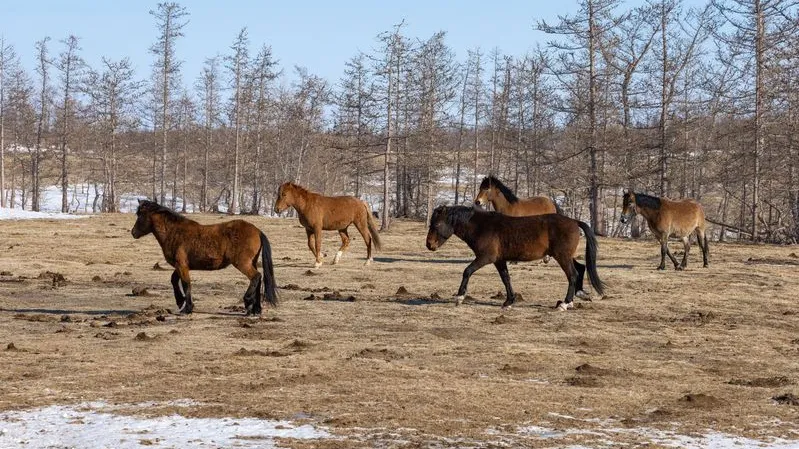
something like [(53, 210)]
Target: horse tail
[(372, 224), (270, 289), (590, 258)]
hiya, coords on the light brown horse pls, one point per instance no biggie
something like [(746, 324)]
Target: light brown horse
[(329, 213), (668, 218), (188, 245), (493, 191), (498, 239)]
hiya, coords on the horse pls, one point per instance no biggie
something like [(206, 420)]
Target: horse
[(188, 245), (319, 213), (667, 218), (493, 191), (496, 238)]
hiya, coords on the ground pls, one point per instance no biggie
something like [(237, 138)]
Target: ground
[(379, 356)]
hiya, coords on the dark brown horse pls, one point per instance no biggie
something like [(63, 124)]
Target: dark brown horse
[(498, 239), (188, 245), (493, 191), (667, 218), (329, 213)]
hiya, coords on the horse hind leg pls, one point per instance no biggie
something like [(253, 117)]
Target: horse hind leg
[(579, 291), (185, 280), (510, 297), (363, 229), (701, 238), (345, 244), (180, 297), (571, 272), (252, 297)]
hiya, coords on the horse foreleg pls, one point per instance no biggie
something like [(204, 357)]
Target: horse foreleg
[(312, 245), (345, 243), (318, 247), (510, 297), (686, 242), (180, 298), (467, 273)]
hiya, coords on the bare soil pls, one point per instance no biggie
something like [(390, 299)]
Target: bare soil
[(380, 355)]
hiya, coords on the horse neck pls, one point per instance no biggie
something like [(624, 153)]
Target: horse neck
[(161, 228), (464, 230), (501, 204), (648, 213), (300, 201)]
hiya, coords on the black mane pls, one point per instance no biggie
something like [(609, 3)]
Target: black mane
[(648, 201), (154, 208), (489, 181)]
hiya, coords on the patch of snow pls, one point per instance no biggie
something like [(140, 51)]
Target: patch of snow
[(19, 214), (91, 425)]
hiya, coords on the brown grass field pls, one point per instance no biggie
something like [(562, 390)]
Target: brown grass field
[(689, 352)]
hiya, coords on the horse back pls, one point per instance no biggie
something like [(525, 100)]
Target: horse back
[(213, 247), (529, 237), (682, 217), (537, 205), (334, 212)]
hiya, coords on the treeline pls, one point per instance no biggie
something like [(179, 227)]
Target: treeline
[(679, 102)]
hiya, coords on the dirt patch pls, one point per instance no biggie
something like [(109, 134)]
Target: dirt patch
[(334, 296), (107, 335), (368, 287), (787, 399), (763, 382), (698, 318), (36, 317), (258, 353), (583, 381), (142, 336), (311, 273), (510, 369), (771, 261), (591, 370), (502, 319), (11, 347), (402, 291)]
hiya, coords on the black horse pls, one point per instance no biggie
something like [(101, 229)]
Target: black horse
[(497, 238), (189, 245)]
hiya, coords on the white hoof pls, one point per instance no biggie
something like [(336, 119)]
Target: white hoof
[(459, 299), (546, 258), (337, 258), (369, 261), (582, 294), (562, 306), (317, 264)]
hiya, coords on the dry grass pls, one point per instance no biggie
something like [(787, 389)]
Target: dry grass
[(696, 349)]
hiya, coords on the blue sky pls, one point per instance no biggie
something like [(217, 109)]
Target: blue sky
[(319, 35)]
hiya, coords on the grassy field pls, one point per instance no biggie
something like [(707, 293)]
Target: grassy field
[(380, 357)]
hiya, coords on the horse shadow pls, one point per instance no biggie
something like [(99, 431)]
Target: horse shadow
[(442, 261), (73, 312)]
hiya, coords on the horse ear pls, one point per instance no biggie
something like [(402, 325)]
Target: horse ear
[(140, 201)]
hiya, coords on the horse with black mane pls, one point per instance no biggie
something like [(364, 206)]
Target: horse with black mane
[(668, 218), (188, 245), (493, 191), (319, 213), (498, 239)]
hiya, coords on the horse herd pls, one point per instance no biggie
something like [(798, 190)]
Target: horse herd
[(519, 230)]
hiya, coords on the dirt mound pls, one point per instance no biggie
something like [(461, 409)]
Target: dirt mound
[(402, 291), (583, 381), (259, 353), (142, 336), (587, 369), (502, 319), (380, 354), (311, 273), (762, 382), (158, 267), (141, 292), (770, 261), (107, 335), (701, 400), (291, 287), (57, 279), (698, 318), (368, 287), (335, 296), (11, 347), (787, 399), (509, 369)]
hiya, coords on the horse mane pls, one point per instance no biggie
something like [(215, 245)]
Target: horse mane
[(155, 208), (490, 180), (648, 201), (458, 215)]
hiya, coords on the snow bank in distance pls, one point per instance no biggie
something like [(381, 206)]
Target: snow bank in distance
[(19, 214)]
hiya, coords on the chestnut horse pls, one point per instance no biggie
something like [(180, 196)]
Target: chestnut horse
[(668, 218), (498, 239), (188, 245), (493, 191), (329, 213)]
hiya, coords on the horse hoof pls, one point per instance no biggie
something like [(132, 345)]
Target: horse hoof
[(705, 266), (546, 259), (368, 262), (506, 308), (337, 258), (582, 294), (459, 299), (661, 268), (317, 264), (561, 306), (680, 268)]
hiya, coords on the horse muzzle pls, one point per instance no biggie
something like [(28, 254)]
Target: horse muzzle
[(432, 245), (135, 234)]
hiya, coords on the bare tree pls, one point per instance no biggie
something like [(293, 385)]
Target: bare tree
[(8, 62), (170, 19), (42, 68), (70, 66), (237, 65), (208, 88)]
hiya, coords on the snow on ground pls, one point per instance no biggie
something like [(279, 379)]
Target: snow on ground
[(94, 426)]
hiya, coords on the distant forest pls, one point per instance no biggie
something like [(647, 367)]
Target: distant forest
[(663, 99)]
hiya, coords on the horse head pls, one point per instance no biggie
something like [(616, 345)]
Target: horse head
[(285, 197), (144, 222), (487, 193), (628, 206)]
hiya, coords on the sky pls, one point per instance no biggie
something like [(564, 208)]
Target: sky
[(318, 35)]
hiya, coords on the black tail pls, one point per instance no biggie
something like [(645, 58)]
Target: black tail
[(590, 258), (270, 290)]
